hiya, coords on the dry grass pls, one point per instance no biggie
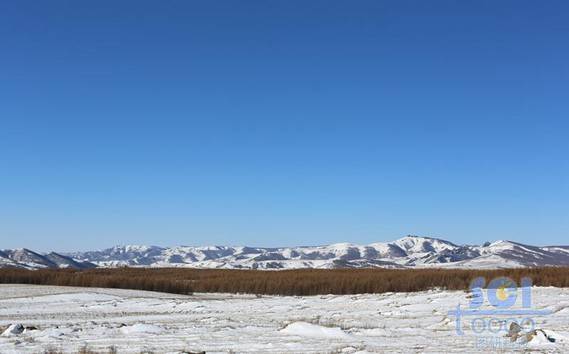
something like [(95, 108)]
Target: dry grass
[(287, 282), (83, 350)]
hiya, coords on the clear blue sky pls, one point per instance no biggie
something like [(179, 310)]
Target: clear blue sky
[(282, 122)]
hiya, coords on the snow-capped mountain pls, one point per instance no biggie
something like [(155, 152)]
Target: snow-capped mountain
[(25, 258), (407, 252)]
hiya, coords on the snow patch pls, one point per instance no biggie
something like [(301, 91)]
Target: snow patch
[(142, 328), (305, 329), (13, 330)]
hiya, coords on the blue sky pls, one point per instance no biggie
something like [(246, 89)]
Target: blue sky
[(274, 123)]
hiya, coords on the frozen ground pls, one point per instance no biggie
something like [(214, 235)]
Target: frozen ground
[(139, 321)]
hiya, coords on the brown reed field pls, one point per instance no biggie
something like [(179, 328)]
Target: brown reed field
[(285, 282)]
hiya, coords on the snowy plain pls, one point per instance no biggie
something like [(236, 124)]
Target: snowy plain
[(68, 318)]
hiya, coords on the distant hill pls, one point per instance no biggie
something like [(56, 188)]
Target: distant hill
[(407, 252)]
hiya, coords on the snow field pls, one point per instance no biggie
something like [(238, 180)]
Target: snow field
[(67, 318)]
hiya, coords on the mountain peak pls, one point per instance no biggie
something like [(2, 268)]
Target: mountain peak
[(420, 244), (407, 252)]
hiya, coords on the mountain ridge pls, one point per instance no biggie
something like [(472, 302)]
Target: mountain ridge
[(407, 252)]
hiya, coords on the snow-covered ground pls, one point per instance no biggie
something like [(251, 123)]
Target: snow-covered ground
[(67, 318)]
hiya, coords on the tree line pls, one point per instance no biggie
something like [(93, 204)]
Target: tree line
[(283, 282)]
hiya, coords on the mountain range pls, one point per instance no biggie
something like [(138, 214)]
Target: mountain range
[(407, 252), (28, 259)]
